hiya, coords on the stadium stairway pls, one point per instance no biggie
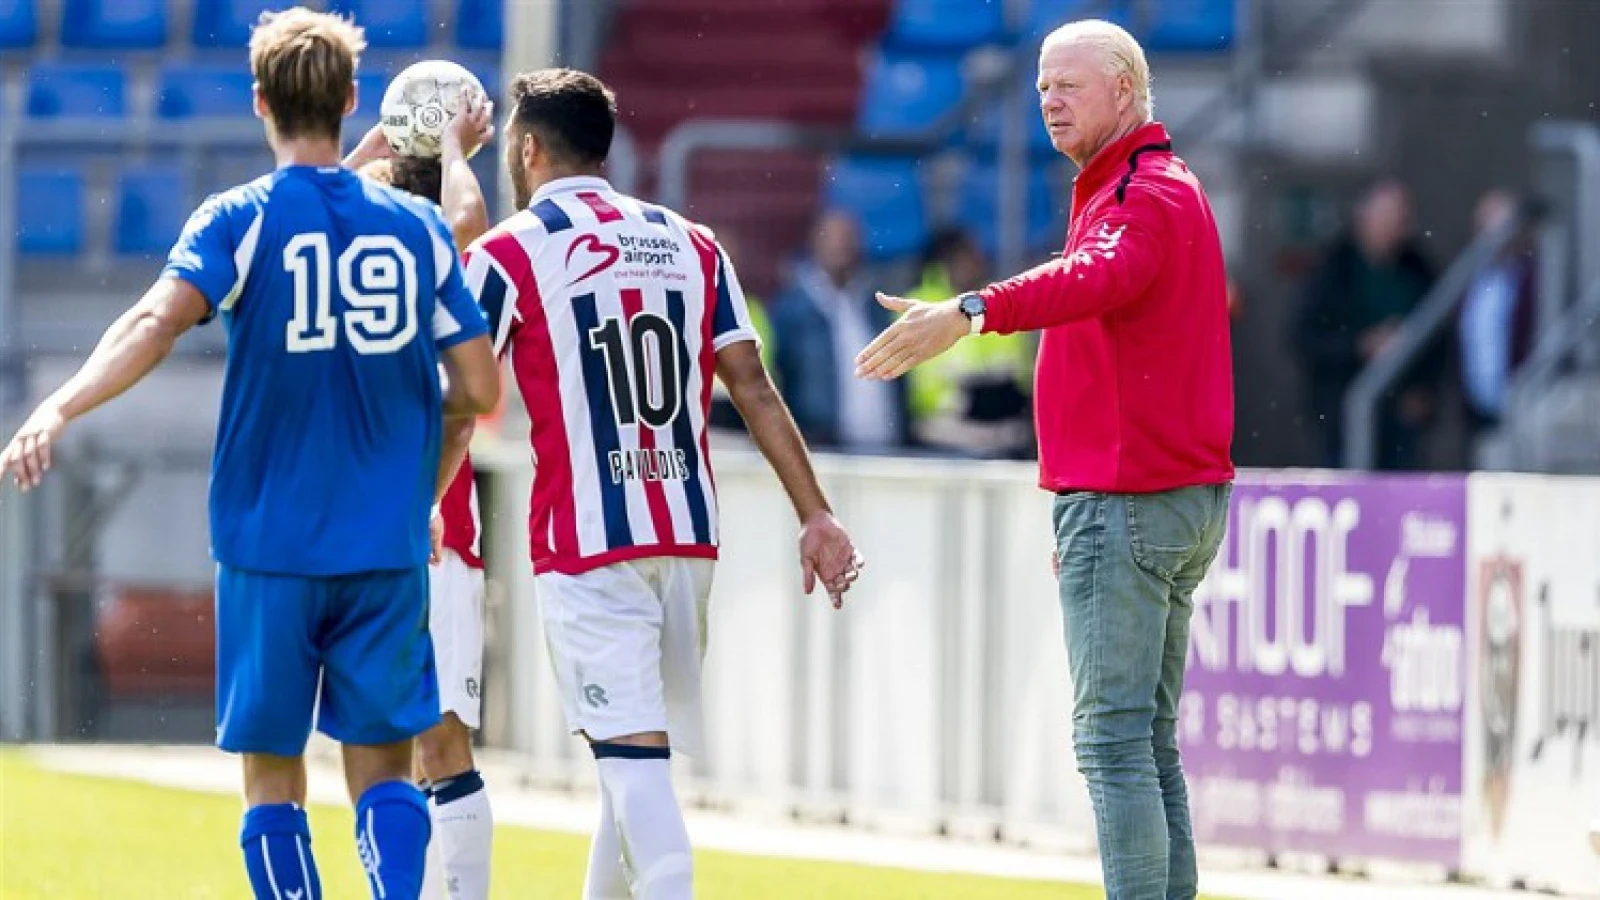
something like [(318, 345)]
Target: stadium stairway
[(792, 60)]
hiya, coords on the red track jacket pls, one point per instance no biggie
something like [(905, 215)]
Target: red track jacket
[(1134, 388)]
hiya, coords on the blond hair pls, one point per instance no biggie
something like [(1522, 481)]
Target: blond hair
[(304, 64), (1122, 55)]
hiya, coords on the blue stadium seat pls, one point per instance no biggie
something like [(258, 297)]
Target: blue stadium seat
[(62, 89), (885, 195), (905, 94), (946, 24), (49, 211), (369, 98), (19, 24), (194, 91), (114, 24), (227, 23), (152, 204), (1045, 16), (389, 23), (1189, 25), (980, 204), (984, 134), (480, 24)]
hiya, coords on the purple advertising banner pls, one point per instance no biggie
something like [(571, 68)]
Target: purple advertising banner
[(1323, 706)]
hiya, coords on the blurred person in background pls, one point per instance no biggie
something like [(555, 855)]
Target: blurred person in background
[(974, 400), (1134, 404), (724, 419), (463, 821), (1496, 325), (1371, 278), (821, 318)]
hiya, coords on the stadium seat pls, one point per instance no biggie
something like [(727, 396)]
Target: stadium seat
[(63, 89), (946, 24), (906, 94), (19, 24), (885, 195), (49, 211), (480, 24), (389, 23), (152, 204), (1188, 25), (980, 204), (369, 98), (191, 91), (227, 23), (114, 24), (984, 134), (1045, 16)]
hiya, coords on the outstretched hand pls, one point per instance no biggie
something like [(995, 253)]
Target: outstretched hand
[(827, 556), (923, 331), (28, 456)]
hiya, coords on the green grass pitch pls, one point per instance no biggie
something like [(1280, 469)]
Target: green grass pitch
[(66, 837)]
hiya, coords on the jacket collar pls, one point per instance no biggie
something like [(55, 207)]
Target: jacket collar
[(1118, 159), (569, 185)]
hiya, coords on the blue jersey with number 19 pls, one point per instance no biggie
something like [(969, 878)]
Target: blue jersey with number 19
[(338, 294)]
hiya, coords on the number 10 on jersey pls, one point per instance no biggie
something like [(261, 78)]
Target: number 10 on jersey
[(642, 365)]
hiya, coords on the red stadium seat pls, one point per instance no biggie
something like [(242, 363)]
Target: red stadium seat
[(156, 641)]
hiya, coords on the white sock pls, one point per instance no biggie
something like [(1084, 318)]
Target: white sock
[(655, 843), (463, 828), (606, 879), (433, 866)]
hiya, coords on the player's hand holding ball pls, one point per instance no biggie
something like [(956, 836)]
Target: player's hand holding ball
[(421, 103), (826, 555), (471, 127), (27, 457)]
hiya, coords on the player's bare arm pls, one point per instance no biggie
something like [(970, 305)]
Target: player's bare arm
[(472, 378), (460, 196), (826, 553), (134, 345), (373, 146)]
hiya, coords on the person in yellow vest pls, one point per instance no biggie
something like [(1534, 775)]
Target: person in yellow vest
[(975, 399)]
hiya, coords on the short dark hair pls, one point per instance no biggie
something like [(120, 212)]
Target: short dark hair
[(412, 174), (574, 114)]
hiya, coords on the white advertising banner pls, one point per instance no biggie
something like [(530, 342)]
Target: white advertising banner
[(1532, 757)]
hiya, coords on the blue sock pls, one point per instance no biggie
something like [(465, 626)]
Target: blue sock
[(392, 831), (276, 840)]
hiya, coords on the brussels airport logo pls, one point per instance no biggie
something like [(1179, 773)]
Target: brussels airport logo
[(1500, 605), (591, 255)]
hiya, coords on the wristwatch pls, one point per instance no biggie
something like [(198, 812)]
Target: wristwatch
[(973, 307)]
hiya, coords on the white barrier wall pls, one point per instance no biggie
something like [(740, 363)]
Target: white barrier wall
[(938, 697), (1532, 751)]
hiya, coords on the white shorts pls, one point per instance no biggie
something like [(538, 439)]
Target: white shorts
[(455, 619), (626, 642)]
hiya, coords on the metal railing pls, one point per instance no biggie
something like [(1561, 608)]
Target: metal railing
[(1545, 366), (1417, 332)]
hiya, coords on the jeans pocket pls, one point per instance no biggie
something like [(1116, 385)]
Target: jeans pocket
[(1167, 529)]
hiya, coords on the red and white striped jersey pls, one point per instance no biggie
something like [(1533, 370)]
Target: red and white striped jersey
[(612, 311)]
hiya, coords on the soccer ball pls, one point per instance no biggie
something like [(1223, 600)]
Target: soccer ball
[(420, 102)]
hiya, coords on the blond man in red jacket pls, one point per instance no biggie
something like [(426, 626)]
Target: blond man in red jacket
[(1134, 405)]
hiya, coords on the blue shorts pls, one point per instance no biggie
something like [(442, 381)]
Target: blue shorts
[(364, 637)]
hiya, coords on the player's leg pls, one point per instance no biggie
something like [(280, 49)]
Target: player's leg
[(267, 671), (379, 691), (1182, 870), (463, 822), (604, 629), (1115, 613)]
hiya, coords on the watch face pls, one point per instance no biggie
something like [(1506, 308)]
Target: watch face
[(972, 305)]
